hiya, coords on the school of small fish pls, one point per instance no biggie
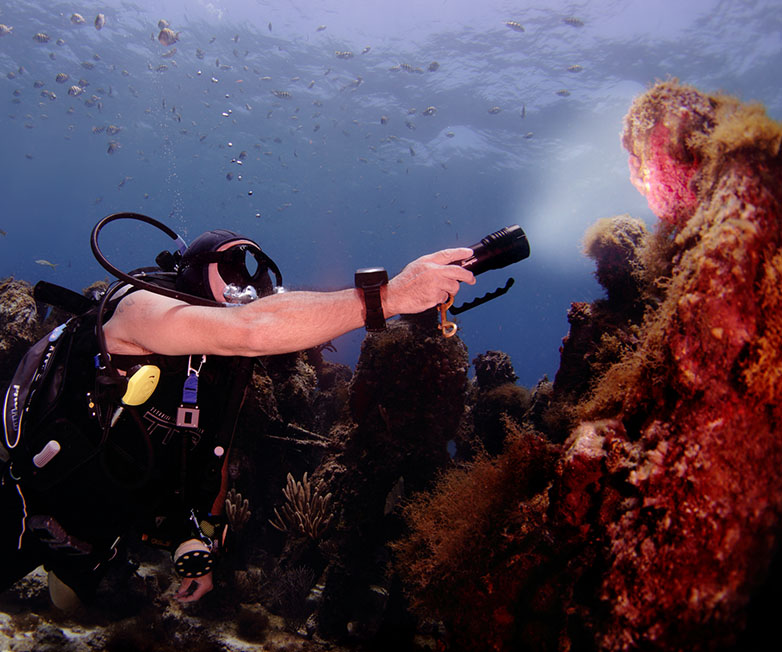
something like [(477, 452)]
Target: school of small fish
[(240, 73)]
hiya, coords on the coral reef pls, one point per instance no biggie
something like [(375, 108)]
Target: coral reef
[(494, 397), (664, 510), (19, 323), (600, 332), (407, 398), (306, 511), (493, 368), (614, 243), (633, 503), (479, 539)]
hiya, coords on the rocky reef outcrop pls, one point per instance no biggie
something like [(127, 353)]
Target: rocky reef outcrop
[(657, 520)]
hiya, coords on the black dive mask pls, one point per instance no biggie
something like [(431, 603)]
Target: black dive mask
[(241, 265)]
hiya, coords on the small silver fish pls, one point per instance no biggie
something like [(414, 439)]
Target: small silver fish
[(100, 21), (46, 263), (320, 28)]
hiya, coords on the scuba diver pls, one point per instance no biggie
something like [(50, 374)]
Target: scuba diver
[(118, 424)]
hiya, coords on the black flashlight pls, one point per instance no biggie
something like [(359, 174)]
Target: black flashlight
[(497, 250)]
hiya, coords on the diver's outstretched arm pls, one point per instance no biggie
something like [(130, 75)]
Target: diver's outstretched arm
[(280, 323)]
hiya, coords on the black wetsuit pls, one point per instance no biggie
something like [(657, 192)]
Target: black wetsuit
[(70, 520)]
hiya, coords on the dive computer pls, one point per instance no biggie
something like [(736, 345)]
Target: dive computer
[(369, 280)]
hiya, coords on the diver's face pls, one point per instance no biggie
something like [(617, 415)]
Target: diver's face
[(216, 282)]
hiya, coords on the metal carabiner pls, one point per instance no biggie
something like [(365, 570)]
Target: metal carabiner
[(447, 327), (193, 370)]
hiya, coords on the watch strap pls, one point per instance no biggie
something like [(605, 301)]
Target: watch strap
[(369, 281), (375, 320)]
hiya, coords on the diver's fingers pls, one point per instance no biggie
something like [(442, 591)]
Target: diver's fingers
[(192, 589), (448, 256)]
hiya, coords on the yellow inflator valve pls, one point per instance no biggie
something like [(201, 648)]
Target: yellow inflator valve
[(141, 384)]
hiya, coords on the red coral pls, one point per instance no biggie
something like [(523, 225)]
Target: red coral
[(665, 181)]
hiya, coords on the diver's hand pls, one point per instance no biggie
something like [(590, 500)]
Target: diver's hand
[(194, 588), (426, 281)]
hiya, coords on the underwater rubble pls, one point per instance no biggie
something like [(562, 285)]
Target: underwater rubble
[(632, 503)]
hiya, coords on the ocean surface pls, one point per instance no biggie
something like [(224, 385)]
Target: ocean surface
[(352, 133)]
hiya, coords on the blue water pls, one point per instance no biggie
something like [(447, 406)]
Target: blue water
[(324, 186)]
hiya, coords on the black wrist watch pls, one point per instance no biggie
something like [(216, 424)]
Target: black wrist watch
[(369, 280)]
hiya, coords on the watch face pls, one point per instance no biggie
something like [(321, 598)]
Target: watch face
[(370, 277)]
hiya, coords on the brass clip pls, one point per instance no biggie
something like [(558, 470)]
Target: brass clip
[(447, 327)]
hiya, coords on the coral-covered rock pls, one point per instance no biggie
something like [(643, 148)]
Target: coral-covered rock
[(493, 368), (664, 509), (684, 561), (601, 331), (407, 397), (19, 323), (613, 243), (477, 544)]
